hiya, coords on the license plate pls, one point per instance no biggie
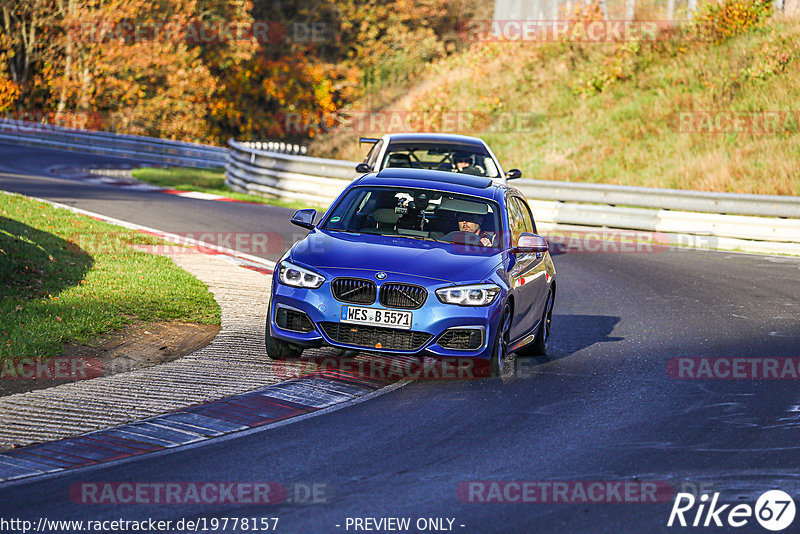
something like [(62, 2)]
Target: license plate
[(375, 317)]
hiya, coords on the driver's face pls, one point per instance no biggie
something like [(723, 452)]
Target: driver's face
[(467, 223), (462, 165)]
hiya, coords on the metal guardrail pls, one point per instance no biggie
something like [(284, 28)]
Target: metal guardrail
[(274, 146), (765, 218), (670, 199), (161, 151), (668, 221), (286, 176)]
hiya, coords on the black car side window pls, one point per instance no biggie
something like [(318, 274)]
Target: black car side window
[(516, 224), (373, 154), (528, 223)]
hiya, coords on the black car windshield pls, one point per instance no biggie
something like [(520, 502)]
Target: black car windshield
[(417, 214), (468, 159)]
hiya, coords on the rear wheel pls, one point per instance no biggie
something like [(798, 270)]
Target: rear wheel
[(501, 344), (539, 345), (278, 349)]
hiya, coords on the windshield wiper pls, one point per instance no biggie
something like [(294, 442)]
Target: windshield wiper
[(420, 237)]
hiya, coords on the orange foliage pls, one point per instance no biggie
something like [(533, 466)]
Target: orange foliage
[(9, 92), (288, 97), (584, 12), (143, 78), (132, 66), (718, 21)]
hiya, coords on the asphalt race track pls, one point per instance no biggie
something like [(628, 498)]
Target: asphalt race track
[(601, 407)]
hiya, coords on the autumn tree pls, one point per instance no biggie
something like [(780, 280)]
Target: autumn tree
[(189, 69), (152, 69), (146, 67)]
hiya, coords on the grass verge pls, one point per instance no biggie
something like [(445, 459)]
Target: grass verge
[(66, 277), (206, 181)]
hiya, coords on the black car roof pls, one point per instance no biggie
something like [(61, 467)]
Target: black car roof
[(428, 175), (435, 138)]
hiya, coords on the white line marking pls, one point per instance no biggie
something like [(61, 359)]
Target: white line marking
[(199, 195), (164, 235)]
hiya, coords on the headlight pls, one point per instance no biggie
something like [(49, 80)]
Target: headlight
[(474, 295), (292, 275)]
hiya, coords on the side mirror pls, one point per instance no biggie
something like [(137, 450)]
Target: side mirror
[(305, 218), (514, 173), (363, 167), (528, 243)]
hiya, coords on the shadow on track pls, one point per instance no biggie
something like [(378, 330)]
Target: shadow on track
[(572, 333)]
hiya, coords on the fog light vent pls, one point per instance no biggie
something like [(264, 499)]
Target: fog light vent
[(462, 339), (293, 320)]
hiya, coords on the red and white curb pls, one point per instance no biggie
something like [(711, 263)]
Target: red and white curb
[(276, 405), (197, 195), (119, 176)]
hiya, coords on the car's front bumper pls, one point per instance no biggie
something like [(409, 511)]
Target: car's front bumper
[(434, 318)]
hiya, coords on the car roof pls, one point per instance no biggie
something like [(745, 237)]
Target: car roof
[(435, 138), (430, 179)]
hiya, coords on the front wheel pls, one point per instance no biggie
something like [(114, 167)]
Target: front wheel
[(278, 349), (501, 344)]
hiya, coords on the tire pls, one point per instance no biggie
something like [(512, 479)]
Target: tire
[(501, 343), (278, 349), (539, 345)]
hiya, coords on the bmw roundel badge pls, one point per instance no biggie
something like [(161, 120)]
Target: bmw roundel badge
[(380, 276)]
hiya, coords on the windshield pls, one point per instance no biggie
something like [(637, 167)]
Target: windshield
[(468, 159), (417, 214)]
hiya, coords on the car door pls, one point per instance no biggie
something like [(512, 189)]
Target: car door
[(527, 274)]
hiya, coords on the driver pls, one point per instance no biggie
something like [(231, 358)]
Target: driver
[(463, 160), (464, 163), (471, 223)]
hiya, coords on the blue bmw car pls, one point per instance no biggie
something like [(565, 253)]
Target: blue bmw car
[(416, 262)]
